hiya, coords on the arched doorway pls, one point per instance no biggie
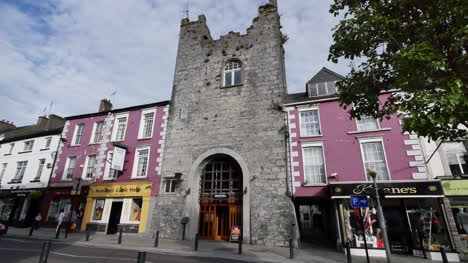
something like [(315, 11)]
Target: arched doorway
[(220, 198)]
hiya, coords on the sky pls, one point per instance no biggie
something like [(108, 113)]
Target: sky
[(64, 56)]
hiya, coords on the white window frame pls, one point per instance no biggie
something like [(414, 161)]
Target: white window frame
[(12, 146), (359, 130), (135, 162), (314, 144), (40, 169), (2, 173), (85, 168), (93, 138), (232, 73), (373, 139), (171, 181), (75, 134), (315, 86), (28, 146), (116, 127), (107, 169), (48, 142), (65, 170), (457, 154), (20, 172), (314, 108), (141, 130)]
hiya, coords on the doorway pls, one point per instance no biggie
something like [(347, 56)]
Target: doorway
[(220, 198), (114, 217)]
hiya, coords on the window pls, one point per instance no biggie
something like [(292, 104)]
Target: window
[(2, 173), (97, 131), (48, 142), (120, 126), (314, 166), (28, 146), (20, 170), (310, 124), (141, 161), (457, 157), (71, 162), (98, 209), (12, 145), (367, 123), (110, 173), (374, 159), (78, 134), (135, 210), (322, 88), (40, 169), (170, 185), (146, 124), (90, 163), (232, 73)]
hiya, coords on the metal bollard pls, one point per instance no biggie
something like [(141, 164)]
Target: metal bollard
[(141, 257), (348, 252), (44, 252), (87, 235), (196, 242), (240, 246), (120, 237), (444, 254), (31, 231), (291, 249), (57, 233), (156, 239)]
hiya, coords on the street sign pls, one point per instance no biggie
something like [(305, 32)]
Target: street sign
[(359, 201)]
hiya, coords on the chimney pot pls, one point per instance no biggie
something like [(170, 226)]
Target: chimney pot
[(105, 105)]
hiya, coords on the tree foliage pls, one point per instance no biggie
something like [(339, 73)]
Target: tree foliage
[(417, 50)]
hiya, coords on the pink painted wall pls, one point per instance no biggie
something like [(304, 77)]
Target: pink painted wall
[(131, 140), (342, 150)]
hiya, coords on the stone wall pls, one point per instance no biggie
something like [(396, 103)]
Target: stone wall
[(246, 119)]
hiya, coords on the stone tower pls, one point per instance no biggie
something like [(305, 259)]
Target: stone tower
[(241, 120)]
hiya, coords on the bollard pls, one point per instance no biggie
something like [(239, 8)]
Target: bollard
[(196, 242), (120, 236), (31, 231), (156, 239), (87, 235), (44, 252), (240, 245), (141, 257), (57, 233), (291, 249), (444, 254), (348, 252)]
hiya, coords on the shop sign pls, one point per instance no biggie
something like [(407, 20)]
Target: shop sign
[(120, 190), (390, 188), (235, 233), (455, 187), (118, 158), (359, 201), (220, 196)]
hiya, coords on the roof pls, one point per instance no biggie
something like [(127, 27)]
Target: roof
[(302, 97), (161, 103), (26, 132), (325, 75)]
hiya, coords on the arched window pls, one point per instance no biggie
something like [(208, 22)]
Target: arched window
[(232, 73)]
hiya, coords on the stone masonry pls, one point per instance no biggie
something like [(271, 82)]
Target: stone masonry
[(247, 119)]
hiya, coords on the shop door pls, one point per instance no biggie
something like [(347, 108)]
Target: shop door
[(218, 220), (114, 218)]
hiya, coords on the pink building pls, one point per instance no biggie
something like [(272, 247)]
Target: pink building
[(108, 166), (329, 155)]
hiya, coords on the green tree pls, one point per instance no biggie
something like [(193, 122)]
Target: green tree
[(415, 48)]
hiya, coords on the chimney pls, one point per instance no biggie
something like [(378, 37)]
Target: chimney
[(55, 122), (42, 122), (6, 125), (105, 105)]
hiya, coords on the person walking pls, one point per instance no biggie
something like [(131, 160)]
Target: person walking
[(60, 220), (37, 221), (79, 220)]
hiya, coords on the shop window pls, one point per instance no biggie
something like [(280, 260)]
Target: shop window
[(170, 185), (78, 134), (457, 157), (374, 158), (310, 124), (56, 206), (98, 209), (314, 166), (6, 208), (135, 211), (367, 123), (306, 216), (232, 73)]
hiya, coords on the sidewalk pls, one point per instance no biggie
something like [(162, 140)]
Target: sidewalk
[(219, 249)]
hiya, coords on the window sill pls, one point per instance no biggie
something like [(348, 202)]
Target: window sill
[(109, 179), (7, 154), (139, 177), (35, 181), (232, 86), (376, 130), (14, 182), (311, 137), (93, 143), (146, 138), (174, 193), (312, 185), (45, 149), (25, 152), (74, 145)]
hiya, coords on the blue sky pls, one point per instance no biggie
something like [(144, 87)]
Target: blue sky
[(75, 52)]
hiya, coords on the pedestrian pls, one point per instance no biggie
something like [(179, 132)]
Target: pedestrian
[(79, 220), (60, 219), (37, 221)]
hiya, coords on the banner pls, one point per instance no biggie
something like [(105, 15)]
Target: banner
[(118, 158)]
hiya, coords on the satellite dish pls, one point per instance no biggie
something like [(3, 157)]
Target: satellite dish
[(185, 220)]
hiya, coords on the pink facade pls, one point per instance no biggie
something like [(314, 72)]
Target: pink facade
[(340, 140)]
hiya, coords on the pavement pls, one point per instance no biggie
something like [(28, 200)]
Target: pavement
[(170, 250)]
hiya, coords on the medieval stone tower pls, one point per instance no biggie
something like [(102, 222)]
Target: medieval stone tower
[(224, 162)]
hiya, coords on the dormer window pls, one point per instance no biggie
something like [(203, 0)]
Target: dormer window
[(232, 73), (321, 88)]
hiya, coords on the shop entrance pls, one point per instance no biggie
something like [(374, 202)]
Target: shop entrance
[(114, 217), (316, 222), (220, 198)]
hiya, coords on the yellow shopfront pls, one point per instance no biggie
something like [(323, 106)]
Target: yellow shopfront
[(114, 206)]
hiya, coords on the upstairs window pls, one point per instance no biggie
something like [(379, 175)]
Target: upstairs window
[(310, 123), (457, 158), (71, 162), (322, 88), (374, 159), (48, 142), (367, 123), (90, 163), (146, 124), (97, 131), (170, 185), (314, 165), (141, 160), (39, 169), (2, 173), (20, 170), (28, 146), (78, 134), (232, 73), (109, 173), (120, 127), (12, 146)]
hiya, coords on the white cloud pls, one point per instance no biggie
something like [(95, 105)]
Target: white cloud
[(75, 52)]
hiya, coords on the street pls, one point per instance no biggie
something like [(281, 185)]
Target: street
[(15, 250)]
